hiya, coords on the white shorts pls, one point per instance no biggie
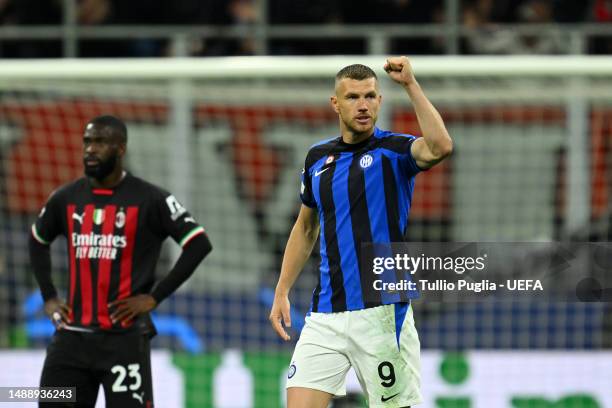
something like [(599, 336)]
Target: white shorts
[(383, 350)]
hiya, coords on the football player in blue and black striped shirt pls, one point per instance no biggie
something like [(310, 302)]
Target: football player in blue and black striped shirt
[(357, 188)]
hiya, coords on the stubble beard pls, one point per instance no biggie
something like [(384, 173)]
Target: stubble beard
[(101, 170), (356, 130)]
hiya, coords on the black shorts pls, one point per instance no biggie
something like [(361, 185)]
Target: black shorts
[(121, 362)]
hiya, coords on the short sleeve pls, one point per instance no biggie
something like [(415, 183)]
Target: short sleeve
[(48, 225), (412, 168), (176, 220), (306, 189)]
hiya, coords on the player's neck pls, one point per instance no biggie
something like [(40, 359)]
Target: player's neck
[(354, 138), (109, 181)]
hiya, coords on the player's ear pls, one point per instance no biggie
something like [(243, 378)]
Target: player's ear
[(122, 149), (334, 103)]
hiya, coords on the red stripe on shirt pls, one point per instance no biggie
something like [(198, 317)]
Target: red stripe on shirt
[(104, 270), (102, 191), (69, 211), (125, 276), (85, 269)]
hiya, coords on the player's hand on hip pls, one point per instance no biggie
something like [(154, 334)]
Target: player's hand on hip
[(58, 311), (400, 70), (128, 308), (281, 314)]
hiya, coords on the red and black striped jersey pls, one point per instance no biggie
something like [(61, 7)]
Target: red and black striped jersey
[(114, 240)]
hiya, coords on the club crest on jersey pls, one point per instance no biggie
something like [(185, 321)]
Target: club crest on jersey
[(120, 219), (329, 159), (366, 161), (292, 370), (98, 216)]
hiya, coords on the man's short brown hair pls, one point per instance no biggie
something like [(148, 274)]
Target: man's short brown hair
[(356, 71)]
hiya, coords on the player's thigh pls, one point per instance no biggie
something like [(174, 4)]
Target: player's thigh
[(126, 372), (385, 353), (298, 397), (319, 361), (66, 365)]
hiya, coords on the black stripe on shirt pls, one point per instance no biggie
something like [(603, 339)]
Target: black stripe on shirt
[(338, 298), (315, 295), (397, 144)]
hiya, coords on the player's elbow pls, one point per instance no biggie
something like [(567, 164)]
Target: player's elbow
[(36, 247), (206, 246), (199, 246), (444, 149), (307, 225), (310, 231)]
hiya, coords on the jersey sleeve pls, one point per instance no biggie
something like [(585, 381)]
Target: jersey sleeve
[(306, 189), (48, 225), (412, 168), (176, 220)]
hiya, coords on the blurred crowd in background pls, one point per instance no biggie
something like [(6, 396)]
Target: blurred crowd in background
[(485, 19)]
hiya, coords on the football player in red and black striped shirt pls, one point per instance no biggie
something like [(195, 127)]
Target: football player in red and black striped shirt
[(115, 224)]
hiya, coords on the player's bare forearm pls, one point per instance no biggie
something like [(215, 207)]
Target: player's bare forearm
[(436, 143), (299, 247), (432, 126)]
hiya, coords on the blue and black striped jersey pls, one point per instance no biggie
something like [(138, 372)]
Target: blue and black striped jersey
[(362, 193)]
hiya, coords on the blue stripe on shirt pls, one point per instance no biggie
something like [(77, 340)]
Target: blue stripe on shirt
[(349, 264)]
